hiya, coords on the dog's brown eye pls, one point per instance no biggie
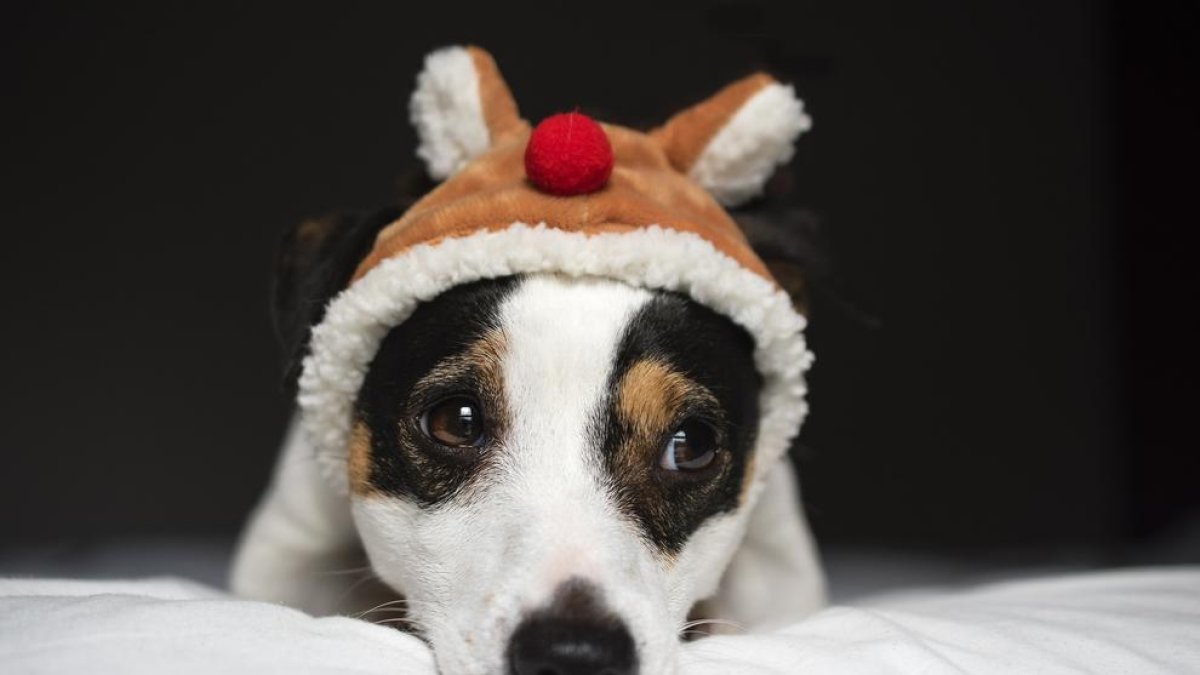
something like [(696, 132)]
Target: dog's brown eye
[(455, 422), (692, 447)]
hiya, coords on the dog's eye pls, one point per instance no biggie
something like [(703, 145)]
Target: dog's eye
[(692, 447), (454, 422)]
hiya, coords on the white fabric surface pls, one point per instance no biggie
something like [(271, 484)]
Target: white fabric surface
[(1137, 621), (164, 626)]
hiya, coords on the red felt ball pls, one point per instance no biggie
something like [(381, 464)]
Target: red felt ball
[(568, 154)]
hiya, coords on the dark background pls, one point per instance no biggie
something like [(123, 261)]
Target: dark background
[(1006, 357)]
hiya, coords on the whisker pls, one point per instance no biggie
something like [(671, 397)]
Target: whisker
[(712, 622), (384, 605), (348, 571), (354, 586), (398, 620), (386, 610)]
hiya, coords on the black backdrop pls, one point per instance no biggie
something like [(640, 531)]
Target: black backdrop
[(1003, 186)]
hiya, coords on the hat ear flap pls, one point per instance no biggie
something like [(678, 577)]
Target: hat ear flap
[(460, 108), (731, 143)]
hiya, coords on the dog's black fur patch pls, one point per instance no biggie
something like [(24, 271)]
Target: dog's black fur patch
[(404, 462), (714, 352)]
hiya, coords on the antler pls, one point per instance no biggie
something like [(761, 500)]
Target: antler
[(461, 108), (731, 142)]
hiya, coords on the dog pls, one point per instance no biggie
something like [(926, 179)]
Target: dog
[(554, 459)]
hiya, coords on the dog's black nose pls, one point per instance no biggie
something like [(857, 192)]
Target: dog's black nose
[(574, 635), (548, 646)]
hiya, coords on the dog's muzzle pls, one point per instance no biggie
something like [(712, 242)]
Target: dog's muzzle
[(573, 635)]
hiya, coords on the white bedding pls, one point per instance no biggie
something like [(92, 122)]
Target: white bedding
[(1139, 621)]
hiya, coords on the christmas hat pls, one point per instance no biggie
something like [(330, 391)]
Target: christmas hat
[(577, 198)]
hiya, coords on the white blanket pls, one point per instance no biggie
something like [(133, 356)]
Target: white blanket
[(1139, 621)]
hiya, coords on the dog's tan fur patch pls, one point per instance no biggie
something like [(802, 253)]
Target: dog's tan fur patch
[(483, 362), (358, 460), (650, 396), (653, 397)]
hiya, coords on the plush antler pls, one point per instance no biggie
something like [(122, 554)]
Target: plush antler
[(461, 107), (731, 143)]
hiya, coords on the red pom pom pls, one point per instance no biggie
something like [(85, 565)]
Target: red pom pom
[(568, 154)]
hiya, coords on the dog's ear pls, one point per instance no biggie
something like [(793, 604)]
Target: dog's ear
[(315, 261), (787, 239)]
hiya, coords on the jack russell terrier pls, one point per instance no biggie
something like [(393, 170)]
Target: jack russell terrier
[(551, 399)]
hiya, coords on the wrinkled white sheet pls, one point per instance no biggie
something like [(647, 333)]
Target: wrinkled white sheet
[(1137, 621)]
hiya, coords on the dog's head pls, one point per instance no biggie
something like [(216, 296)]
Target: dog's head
[(551, 465)]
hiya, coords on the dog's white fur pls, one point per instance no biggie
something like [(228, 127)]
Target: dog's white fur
[(471, 570)]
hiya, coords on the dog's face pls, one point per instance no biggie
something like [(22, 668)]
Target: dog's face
[(552, 470)]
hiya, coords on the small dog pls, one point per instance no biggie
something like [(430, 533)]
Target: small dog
[(552, 441)]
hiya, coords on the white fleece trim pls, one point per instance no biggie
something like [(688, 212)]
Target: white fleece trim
[(357, 320), (761, 135), (447, 112)]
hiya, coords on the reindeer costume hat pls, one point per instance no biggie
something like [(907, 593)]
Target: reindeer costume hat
[(576, 198)]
